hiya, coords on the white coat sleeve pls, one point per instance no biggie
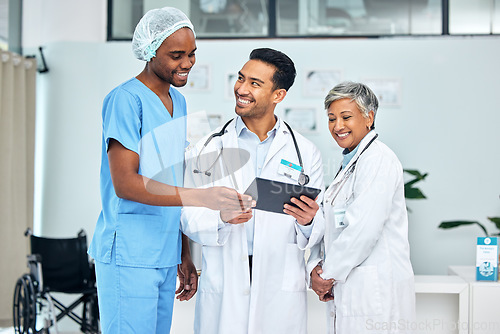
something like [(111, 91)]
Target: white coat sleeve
[(315, 258), (375, 185), (316, 180), (201, 225)]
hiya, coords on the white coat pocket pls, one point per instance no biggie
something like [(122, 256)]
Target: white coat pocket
[(360, 294), (341, 205), (294, 278)]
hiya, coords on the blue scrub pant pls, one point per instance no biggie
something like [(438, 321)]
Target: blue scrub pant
[(135, 300)]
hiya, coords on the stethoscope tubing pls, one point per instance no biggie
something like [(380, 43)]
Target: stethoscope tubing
[(350, 171), (303, 178)]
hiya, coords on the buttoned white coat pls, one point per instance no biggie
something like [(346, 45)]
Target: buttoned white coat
[(275, 302), (368, 253)]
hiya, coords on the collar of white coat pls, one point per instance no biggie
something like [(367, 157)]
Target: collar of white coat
[(279, 141), (364, 142), (240, 126)]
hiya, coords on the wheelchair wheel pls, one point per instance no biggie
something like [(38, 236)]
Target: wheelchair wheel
[(24, 310)]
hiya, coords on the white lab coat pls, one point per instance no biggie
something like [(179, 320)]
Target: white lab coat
[(275, 302), (369, 257)]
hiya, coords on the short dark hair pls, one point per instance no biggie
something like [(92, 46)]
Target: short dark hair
[(285, 73)]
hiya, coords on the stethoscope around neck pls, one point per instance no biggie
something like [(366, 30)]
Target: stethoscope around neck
[(302, 180), (349, 171)]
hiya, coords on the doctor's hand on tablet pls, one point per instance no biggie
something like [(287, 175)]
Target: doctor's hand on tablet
[(236, 217), (304, 211)]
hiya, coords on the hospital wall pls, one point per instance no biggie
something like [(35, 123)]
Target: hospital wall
[(447, 124)]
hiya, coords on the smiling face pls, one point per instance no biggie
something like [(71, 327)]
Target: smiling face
[(175, 57), (347, 124), (254, 90)]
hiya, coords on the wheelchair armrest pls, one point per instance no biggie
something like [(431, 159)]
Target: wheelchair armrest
[(35, 266), (34, 258)]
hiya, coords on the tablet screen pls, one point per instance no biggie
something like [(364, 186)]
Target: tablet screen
[(272, 195)]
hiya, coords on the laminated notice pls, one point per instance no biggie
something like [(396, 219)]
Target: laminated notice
[(487, 259)]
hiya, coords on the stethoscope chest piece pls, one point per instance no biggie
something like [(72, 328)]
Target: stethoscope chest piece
[(303, 179)]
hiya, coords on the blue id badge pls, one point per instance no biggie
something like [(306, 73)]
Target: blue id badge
[(289, 169)]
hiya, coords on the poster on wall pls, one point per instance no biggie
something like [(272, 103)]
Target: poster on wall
[(198, 126), (317, 83), (301, 119), (214, 121), (199, 78), (229, 89), (388, 90)]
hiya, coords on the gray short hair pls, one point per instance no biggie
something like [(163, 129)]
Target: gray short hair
[(364, 97)]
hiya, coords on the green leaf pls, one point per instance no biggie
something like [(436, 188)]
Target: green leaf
[(419, 176), (496, 221), (412, 182), (414, 193), (457, 223), (413, 172)]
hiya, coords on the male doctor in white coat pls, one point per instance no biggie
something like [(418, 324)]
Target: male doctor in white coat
[(253, 277)]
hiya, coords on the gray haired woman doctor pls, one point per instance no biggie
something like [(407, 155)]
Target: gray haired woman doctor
[(364, 271)]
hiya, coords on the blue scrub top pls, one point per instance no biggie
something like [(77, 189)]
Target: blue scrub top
[(146, 236)]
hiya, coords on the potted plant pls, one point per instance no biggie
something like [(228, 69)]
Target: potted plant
[(456, 223), (412, 192)]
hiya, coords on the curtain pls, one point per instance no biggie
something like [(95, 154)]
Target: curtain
[(17, 144)]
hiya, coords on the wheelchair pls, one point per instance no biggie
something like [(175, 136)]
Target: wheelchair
[(62, 266)]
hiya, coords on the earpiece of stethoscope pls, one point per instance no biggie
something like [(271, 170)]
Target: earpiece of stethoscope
[(196, 171)]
